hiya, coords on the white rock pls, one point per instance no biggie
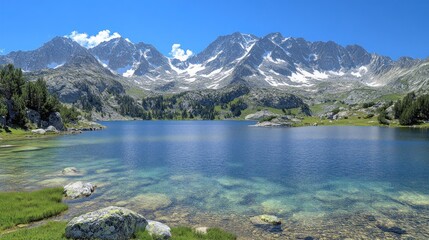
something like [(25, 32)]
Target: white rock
[(79, 189)]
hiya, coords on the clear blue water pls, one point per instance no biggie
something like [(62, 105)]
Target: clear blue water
[(229, 166)]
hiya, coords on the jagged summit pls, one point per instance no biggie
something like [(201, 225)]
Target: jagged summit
[(269, 61)]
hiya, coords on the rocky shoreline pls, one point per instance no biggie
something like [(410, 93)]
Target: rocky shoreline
[(391, 224)]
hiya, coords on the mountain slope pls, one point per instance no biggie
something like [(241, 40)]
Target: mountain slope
[(128, 59), (294, 65), (52, 54), (86, 84)]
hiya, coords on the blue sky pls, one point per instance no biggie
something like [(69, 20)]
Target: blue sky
[(393, 28)]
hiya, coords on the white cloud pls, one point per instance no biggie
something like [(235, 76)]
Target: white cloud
[(178, 53), (2, 50), (91, 41)]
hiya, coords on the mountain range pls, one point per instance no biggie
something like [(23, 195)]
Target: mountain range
[(312, 70)]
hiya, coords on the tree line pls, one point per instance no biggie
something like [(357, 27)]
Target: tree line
[(412, 109), (18, 95)]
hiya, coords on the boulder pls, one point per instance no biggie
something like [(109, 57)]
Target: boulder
[(44, 124), (342, 114), (79, 189), (2, 121), (51, 129), (107, 223), (70, 171), (158, 231), (56, 121), (38, 131), (201, 230), (33, 117)]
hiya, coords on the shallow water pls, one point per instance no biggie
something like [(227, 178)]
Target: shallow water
[(324, 182)]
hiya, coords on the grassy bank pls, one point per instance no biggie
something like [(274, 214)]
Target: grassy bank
[(56, 231), (48, 231), (353, 121), (20, 134), (25, 207)]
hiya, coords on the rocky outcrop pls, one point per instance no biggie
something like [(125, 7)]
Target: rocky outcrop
[(33, 117), (257, 116), (79, 189), (283, 121), (111, 223), (56, 121), (158, 231)]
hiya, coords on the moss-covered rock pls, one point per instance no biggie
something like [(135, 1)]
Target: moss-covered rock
[(107, 223)]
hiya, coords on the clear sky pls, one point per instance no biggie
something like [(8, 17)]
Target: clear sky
[(388, 27)]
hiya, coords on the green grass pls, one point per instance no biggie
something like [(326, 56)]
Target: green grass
[(19, 134), (49, 231), (56, 231), (390, 97), (24, 207), (186, 233), (13, 133)]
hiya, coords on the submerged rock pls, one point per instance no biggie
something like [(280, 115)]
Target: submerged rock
[(265, 219), (414, 198), (107, 223), (70, 171), (157, 230), (150, 201), (396, 230), (79, 189)]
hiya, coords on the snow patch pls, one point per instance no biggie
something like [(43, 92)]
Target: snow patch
[(177, 70), (54, 65), (339, 73), (298, 78), (104, 63), (145, 53), (214, 57), (246, 52), (374, 84), (302, 76), (213, 73), (213, 86), (193, 69), (274, 72), (267, 57), (361, 71), (313, 57)]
